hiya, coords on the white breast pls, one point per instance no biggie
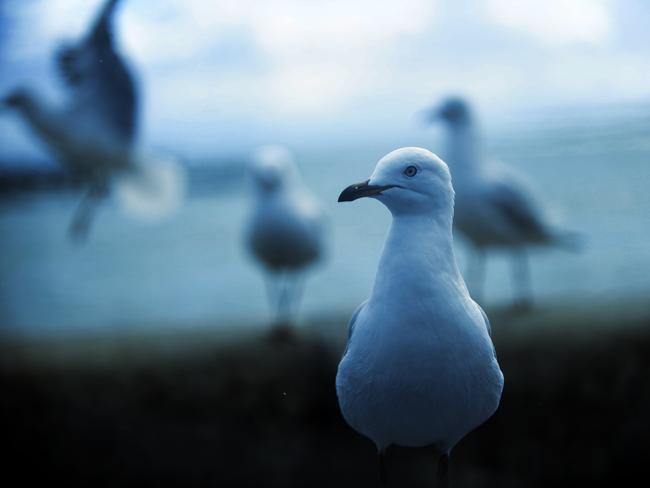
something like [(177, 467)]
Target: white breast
[(286, 231), (411, 383)]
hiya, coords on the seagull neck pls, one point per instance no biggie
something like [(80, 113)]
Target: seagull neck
[(463, 148), (418, 248)]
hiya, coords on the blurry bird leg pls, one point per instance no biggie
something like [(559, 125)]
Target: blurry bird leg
[(284, 299), (442, 475), (298, 286), (521, 281), (277, 294), (85, 213), (476, 272)]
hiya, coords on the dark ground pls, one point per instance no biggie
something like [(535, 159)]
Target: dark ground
[(575, 412)]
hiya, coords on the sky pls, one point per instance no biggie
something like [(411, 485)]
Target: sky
[(219, 77)]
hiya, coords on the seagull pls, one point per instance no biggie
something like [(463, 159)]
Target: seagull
[(93, 134), (495, 206), (285, 231), (419, 368)]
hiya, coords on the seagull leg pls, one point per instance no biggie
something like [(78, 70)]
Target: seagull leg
[(85, 213), (284, 300), (521, 280), (443, 479), (280, 298), (278, 295)]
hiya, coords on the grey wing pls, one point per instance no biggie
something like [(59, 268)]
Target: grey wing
[(353, 321), (519, 209), (102, 87)]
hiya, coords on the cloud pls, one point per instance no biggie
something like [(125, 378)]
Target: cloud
[(222, 70), (311, 55), (554, 22)]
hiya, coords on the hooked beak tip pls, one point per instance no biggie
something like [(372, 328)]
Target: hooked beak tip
[(352, 192), (361, 190)]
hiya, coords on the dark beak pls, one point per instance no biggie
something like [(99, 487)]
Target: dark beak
[(360, 190)]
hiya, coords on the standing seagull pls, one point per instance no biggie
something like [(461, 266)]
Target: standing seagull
[(419, 368), (285, 230), (495, 207), (93, 134)]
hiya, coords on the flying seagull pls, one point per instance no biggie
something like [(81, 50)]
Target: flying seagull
[(93, 134), (419, 368), (495, 206)]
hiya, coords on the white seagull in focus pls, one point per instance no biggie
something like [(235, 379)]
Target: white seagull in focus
[(285, 231), (419, 368), (495, 206), (93, 134)]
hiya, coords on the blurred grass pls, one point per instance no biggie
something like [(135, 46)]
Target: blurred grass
[(206, 408)]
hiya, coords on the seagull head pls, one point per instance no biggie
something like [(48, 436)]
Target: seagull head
[(273, 167), (454, 111), (410, 180)]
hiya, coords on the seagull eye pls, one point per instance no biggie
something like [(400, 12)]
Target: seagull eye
[(410, 171)]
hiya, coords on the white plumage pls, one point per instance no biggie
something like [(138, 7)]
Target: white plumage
[(419, 368), (285, 231)]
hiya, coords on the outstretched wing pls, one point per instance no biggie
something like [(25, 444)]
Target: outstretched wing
[(71, 62), (103, 91)]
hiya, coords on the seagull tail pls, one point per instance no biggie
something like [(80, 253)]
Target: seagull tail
[(569, 240), (155, 190)]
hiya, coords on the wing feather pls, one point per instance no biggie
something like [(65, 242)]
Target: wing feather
[(102, 87), (518, 207), (352, 324)]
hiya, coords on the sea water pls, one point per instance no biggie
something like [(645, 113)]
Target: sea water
[(194, 270)]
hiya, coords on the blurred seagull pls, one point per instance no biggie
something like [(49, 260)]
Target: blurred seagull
[(495, 207), (93, 134), (419, 368), (285, 231)]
